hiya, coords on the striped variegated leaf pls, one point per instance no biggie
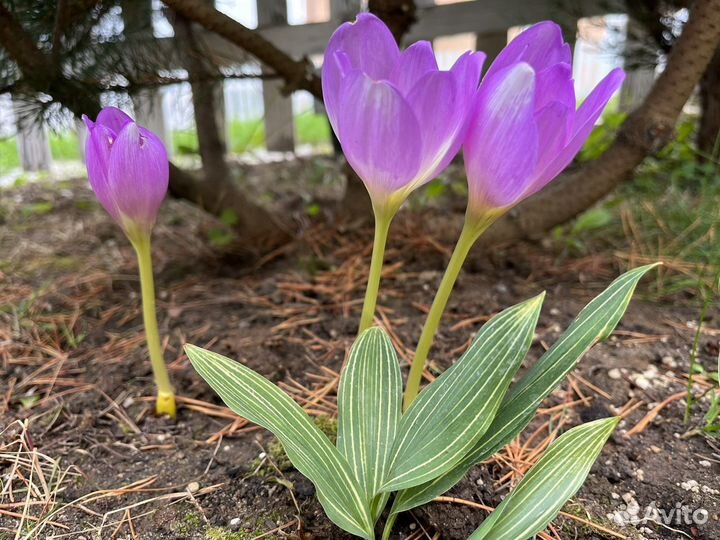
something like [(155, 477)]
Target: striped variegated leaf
[(310, 451), (453, 412), (594, 323), (369, 408), (541, 494)]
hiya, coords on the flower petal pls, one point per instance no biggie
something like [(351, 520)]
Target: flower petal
[(502, 142), (97, 154), (113, 118), (379, 134), (553, 134), (369, 47), (541, 46), (138, 174), (555, 84), (467, 70), (585, 119), (441, 109), (415, 61)]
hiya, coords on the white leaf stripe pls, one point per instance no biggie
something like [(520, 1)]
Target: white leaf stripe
[(597, 318), (562, 470), (453, 412), (369, 407), (263, 403), (592, 324)]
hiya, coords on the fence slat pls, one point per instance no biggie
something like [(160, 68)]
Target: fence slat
[(32, 139), (279, 125)]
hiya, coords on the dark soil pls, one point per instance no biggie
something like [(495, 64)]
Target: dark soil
[(75, 370)]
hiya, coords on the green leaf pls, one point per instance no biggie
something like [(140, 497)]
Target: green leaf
[(257, 399), (594, 323), (541, 494), (453, 412), (369, 409)]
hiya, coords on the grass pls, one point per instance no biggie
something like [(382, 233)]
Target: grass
[(63, 147), (245, 135), (311, 129)]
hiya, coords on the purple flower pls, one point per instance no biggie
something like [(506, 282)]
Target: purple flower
[(399, 119), (128, 169), (524, 128)]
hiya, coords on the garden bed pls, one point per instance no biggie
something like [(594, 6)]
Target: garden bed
[(75, 386)]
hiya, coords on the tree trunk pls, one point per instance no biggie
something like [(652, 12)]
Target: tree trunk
[(216, 192), (398, 15), (647, 130), (708, 138)]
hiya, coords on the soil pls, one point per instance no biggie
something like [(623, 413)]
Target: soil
[(75, 385)]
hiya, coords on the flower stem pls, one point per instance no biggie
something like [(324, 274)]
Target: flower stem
[(165, 403), (382, 226), (470, 233)]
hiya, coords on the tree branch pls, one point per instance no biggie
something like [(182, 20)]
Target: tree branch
[(20, 45), (298, 74)]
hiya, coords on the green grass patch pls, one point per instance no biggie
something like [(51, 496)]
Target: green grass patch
[(248, 135), (9, 157), (63, 147)]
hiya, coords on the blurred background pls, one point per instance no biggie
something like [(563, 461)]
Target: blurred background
[(296, 123)]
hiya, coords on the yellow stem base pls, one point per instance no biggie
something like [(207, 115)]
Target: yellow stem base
[(165, 404)]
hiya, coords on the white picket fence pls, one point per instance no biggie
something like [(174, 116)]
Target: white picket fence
[(452, 26)]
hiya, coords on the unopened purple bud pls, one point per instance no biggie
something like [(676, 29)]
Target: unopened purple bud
[(128, 169)]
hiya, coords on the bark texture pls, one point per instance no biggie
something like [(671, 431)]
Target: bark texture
[(709, 131), (647, 129)]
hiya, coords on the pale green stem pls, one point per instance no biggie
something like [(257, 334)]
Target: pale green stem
[(382, 225), (471, 231), (165, 403), (389, 525)]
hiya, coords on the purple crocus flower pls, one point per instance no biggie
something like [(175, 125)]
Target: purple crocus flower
[(399, 119), (525, 128), (128, 169)]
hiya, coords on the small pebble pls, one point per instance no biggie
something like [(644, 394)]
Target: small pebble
[(193, 487), (655, 449), (705, 463), (615, 374), (669, 361), (235, 524), (642, 382)]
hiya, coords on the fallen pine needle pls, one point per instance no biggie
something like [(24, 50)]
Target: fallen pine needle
[(649, 417)]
